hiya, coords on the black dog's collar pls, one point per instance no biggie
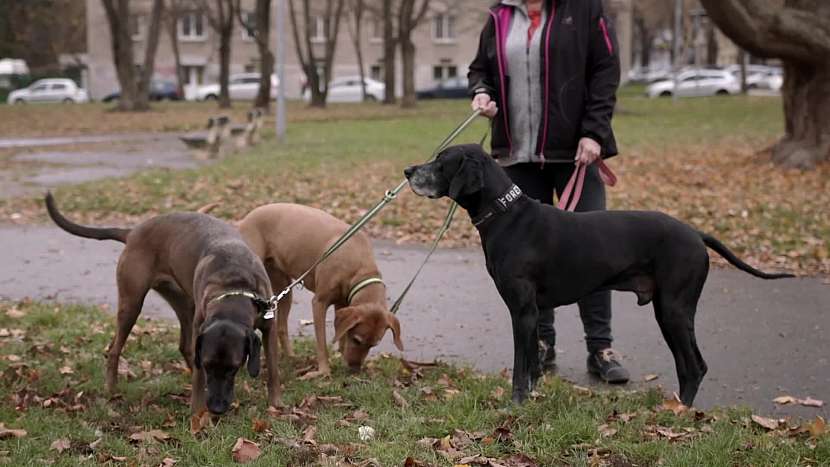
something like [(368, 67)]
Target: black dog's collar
[(501, 204)]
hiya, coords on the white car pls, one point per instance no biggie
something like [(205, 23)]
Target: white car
[(49, 90), (696, 83), (771, 79), (347, 89), (241, 87)]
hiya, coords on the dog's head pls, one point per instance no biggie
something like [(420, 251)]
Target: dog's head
[(222, 348), (359, 328), (457, 172)]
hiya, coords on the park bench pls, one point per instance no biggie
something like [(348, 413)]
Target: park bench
[(208, 144)]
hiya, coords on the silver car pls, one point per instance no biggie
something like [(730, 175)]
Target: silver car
[(49, 90), (696, 83)]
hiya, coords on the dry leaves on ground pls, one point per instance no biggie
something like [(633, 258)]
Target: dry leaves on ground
[(245, 451), (11, 432), (806, 402)]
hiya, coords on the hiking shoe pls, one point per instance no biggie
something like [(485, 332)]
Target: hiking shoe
[(605, 364), (547, 358)]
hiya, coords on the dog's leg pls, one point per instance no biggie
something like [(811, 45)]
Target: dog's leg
[(283, 310), (183, 306), (318, 310), (677, 325), (520, 298), (133, 277), (271, 342)]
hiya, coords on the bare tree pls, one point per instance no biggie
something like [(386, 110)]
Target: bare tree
[(221, 19), (408, 19), (390, 45), (175, 10), (356, 9), (319, 85), (134, 90), (798, 33), (260, 31)]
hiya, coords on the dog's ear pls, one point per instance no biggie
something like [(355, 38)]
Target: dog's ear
[(254, 345), (345, 319), (468, 179), (197, 354), (395, 326)]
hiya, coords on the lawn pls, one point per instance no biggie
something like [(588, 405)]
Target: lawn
[(51, 359), (702, 160)]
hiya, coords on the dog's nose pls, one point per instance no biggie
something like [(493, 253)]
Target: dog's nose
[(218, 407), (409, 171)]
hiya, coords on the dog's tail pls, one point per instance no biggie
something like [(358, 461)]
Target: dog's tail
[(82, 230), (727, 254)]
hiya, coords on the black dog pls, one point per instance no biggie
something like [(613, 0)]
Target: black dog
[(541, 257)]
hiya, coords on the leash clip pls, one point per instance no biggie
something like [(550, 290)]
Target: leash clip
[(389, 195)]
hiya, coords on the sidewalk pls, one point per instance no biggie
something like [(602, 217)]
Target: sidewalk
[(761, 339)]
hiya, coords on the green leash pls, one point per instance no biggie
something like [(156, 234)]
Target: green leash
[(388, 197)]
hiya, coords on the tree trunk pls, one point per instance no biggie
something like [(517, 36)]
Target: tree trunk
[(224, 70), (408, 57), (173, 35), (146, 76), (389, 46), (711, 44), (357, 14), (806, 96), (646, 40), (266, 58), (118, 16)]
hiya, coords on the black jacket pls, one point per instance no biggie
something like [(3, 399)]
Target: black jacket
[(580, 75)]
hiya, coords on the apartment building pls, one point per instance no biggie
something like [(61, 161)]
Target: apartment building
[(445, 41)]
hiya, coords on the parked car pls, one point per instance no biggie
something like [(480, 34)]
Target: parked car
[(49, 90), (771, 79), (453, 88), (648, 74), (696, 83), (347, 89), (241, 87), (159, 91)]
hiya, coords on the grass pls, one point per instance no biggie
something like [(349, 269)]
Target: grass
[(51, 358), (701, 160)]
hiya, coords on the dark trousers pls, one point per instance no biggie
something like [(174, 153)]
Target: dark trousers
[(540, 183)]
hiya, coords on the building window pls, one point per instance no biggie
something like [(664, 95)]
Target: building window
[(375, 29), (249, 19), (318, 29), (192, 27), (443, 28), (376, 72), (444, 71), (137, 27)]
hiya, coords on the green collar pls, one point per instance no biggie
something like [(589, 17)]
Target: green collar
[(361, 285)]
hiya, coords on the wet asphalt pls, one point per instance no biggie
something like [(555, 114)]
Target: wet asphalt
[(761, 339)]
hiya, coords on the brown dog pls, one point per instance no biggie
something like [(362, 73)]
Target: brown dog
[(289, 238), (201, 266)]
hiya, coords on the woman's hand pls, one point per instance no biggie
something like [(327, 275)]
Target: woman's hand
[(588, 151), (488, 107)]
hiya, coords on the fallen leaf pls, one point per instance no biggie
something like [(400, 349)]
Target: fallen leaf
[(497, 393), (66, 370), (817, 427), (783, 400), (167, 462), (60, 445), (11, 432), (13, 358), (606, 431), (810, 402), (650, 377), (400, 401), (582, 390), (199, 422), (768, 423), (366, 433), (245, 451), (309, 434), (152, 435), (673, 405), (15, 313), (259, 425)]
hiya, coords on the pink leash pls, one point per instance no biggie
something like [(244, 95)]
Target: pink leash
[(573, 190)]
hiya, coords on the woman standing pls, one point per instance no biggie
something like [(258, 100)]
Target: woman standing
[(546, 74)]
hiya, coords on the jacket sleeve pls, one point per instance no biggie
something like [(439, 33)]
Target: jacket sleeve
[(479, 76), (603, 74)]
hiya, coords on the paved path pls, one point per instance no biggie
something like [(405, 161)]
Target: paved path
[(760, 338)]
